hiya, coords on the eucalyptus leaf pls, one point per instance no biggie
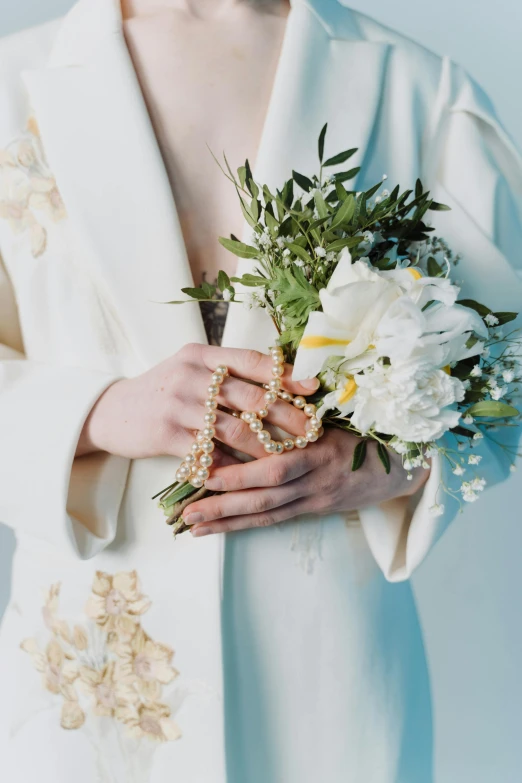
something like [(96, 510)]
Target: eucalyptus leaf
[(384, 457), (223, 280), (320, 143), (195, 293), (303, 182), (434, 268), (479, 308), (344, 213), (341, 157), (342, 176)]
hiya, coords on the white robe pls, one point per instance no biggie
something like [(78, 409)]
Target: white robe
[(298, 648)]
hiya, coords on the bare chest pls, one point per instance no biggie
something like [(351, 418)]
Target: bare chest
[(206, 85)]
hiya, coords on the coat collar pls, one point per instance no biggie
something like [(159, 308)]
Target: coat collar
[(104, 154)]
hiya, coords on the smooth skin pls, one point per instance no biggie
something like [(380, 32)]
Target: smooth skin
[(159, 412)]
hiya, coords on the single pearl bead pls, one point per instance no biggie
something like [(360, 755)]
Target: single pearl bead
[(196, 481), (270, 447), (312, 436), (247, 416), (207, 447), (286, 396), (275, 384), (277, 370), (200, 437), (320, 431), (190, 459), (309, 409), (193, 470), (180, 476), (210, 417), (195, 448), (202, 473), (222, 370), (217, 377), (205, 460), (279, 448), (276, 352), (301, 442), (213, 389), (264, 436), (256, 425), (262, 413), (209, 432), (270, 397), (289, 444), (315, 422), (299, 402), (210, 404)]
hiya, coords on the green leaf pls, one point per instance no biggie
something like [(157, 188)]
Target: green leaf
[(253, 281), (242, 173), (195, 293), (349, 242), (223, 280), (209, 289), (300, 252), (271, 222), (247, 214), (254, 190), (303, 182), (344, 213), (434, 269), (479, 308), (342, 176), (320, 143), (436, 206), (239, 248), (418, 189), (320, 203), (287, 196), (505, 318), (359, 455), (341, 157), (382, 451), (492, 409), (341, 191)]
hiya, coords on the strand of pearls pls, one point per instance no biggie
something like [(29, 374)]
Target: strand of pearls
[(195, 468)]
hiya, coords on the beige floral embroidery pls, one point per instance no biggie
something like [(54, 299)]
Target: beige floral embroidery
[(28, 189), (108, 666)]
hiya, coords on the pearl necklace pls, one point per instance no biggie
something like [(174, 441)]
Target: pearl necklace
[(195, 468)]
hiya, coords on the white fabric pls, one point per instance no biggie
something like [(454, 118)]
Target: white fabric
[(87, 314)]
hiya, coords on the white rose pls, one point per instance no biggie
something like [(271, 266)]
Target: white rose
[(409, 399)]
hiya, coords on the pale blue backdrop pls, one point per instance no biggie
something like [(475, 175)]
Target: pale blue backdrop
[(470, 590)]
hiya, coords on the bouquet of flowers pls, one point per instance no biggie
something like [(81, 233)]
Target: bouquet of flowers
[(360, 291)]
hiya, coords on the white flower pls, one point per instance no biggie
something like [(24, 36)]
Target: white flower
[(408, 399), (508, 376), (474, 459), (299, 262), (478, 484), (476, 371), (491, 319), (286, 252), (478, 436), (330, 256), (498, 393), (399, 447), (342, 398), (227, 295), (265, 239), (461, 446), (458, 470), (437, 510), (368, 237), (485, 352), (320, 252), (467, 419), (467, 493)]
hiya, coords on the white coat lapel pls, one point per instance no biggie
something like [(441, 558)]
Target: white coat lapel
[(325, 74), (103, 152)]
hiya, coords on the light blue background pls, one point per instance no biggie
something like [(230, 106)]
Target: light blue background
[(470, 590)]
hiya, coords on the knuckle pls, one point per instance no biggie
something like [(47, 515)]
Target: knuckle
[(236, 432), (264, 520), (276, 473), (252, 360), (261, 503), (253, 396)]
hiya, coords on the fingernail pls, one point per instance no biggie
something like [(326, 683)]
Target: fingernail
[(312, 383), (201, 531), (194, 518), (215, 483)]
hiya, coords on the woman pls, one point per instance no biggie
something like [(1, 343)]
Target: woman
[(298, 652)]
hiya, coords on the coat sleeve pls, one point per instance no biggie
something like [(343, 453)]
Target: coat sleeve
[(46, 493), (469, 163)]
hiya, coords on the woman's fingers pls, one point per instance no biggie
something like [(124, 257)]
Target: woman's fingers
[(304, 505), (270, 471), (249, 502), (249, 364), (242, 396), (237, 434)]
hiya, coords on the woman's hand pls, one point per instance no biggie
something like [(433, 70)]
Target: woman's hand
[(160, 411), (317, 479)]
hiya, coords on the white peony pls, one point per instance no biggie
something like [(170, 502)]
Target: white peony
[(410, 399)]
